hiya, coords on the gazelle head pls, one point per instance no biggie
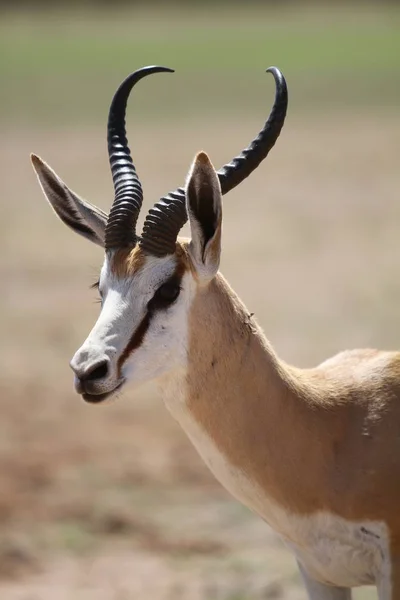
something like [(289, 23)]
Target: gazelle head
[(147, 283)]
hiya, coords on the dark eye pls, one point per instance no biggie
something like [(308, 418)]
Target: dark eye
[(96, 286), (166, 294)]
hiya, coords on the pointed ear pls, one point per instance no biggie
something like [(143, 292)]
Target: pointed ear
[(204, 207), (82, 217)]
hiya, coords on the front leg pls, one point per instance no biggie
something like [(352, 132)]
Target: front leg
[(320, 591)]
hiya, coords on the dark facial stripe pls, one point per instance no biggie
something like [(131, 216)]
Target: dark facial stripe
[(138, 336), (135, 341)]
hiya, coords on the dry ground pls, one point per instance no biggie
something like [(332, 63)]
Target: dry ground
[(111, 502)]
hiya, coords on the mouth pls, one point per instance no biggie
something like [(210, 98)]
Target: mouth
[(97, 398)]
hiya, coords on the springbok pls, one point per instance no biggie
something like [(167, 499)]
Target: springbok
[(314, 452)]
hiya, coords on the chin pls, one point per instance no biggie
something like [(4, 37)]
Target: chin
[(97, 398)]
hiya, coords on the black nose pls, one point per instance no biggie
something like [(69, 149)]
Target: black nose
[(97, 371)]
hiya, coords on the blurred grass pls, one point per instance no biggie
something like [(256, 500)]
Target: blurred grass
[(63, 66)]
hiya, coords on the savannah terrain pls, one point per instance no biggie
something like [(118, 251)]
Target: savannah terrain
[(111, 502)]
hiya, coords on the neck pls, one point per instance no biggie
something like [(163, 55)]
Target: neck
[(231, 363), (276, 436), (236, 392)]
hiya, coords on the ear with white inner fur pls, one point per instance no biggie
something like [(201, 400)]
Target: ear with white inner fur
[(80, 216), (204, 207)]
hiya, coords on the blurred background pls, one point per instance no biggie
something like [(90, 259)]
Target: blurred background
[(111, 502)]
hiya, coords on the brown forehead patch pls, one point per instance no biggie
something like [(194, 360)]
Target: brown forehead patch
[(125, 261), (183, 260)]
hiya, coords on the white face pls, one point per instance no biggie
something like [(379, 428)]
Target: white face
[(142, 329)]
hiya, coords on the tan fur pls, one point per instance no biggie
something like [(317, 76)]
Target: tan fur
[(395, 574), (202, 158), (326, 438), (126, 261)]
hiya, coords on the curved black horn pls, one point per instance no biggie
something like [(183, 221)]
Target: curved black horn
[(120, 230), (167, 217)]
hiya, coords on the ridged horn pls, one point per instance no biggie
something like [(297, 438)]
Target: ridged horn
[(121, 224), (167, 217)]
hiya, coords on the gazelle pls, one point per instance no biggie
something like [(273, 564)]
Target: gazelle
[(314, 452)]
